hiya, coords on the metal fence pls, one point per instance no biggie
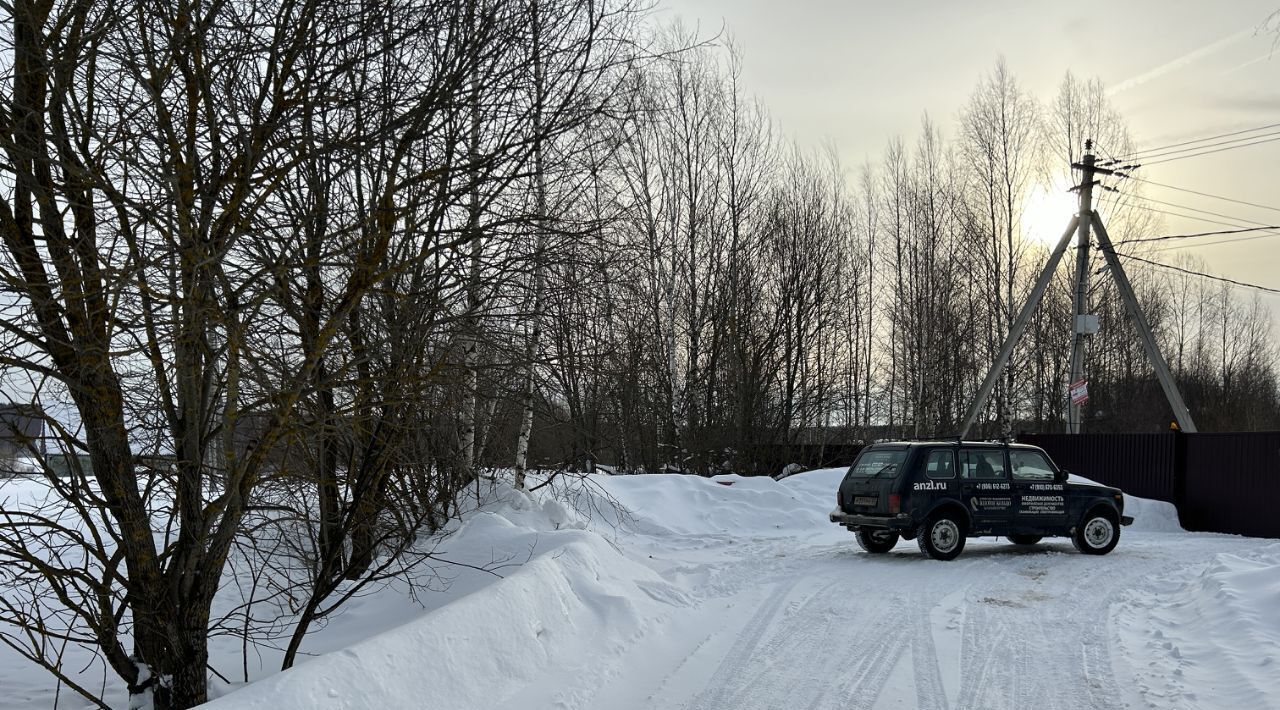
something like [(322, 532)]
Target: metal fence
[(1226, 482), (1233, 483)]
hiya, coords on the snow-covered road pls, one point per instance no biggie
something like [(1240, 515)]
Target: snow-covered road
[(827, 626)]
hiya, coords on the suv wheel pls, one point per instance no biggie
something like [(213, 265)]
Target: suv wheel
[(1097, 533), (942, 536), (877, 541), (1025, 539)]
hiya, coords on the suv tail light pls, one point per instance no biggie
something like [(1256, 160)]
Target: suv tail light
[(840, 500), (895, 504)]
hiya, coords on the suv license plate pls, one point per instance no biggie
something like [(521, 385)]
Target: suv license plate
[(864, 500)]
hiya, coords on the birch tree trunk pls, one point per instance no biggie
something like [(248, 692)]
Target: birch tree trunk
[(534, 317)]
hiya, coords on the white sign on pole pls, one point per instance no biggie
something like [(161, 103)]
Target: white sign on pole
[(1079, 392)]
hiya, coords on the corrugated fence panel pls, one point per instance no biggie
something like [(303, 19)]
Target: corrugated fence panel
[(1227, 482), (1233, 483), (1143, 465)]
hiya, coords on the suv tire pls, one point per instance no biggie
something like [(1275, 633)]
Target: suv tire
[(1098, 532), (877, 541), (942, 536), (1025, 539)]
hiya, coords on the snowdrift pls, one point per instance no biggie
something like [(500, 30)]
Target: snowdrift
[(571, 601), (1148, 515), (573, 607), (1151, 515), (1217, 630), (819, 484), (730, 505), (761, 506)]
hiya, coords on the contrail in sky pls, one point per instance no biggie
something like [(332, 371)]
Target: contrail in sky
[(1249, 63), (1180, 62)]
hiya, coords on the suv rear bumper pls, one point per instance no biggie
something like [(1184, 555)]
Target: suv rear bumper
[(854, 521)]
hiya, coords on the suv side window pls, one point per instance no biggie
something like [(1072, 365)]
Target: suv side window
[(1030, 466), (941, 463), (982, 464)]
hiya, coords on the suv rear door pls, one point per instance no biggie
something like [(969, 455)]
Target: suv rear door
[(871, 479), (984, 482), (935, 477)]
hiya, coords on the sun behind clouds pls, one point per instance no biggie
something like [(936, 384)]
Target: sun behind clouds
[(1047, 211)]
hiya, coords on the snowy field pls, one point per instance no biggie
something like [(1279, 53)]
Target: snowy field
[(708, 596)]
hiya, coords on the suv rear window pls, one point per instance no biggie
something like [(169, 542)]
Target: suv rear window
[(878, 463), (940, 464)]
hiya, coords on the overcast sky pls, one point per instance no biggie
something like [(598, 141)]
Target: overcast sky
[(860, 73)]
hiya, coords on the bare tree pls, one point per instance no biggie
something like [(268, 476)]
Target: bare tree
[(1001, 129), (231, 247)]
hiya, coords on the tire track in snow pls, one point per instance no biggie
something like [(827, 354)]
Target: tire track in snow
[(930, 693), (752, 679), (979, 647), (835, 649), (1101, 688), (714, 696), (875, 666), (802, 629), (1015, 655)]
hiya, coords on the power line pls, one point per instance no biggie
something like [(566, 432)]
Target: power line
[(1123, 200), (1196, 209), (1236, 227), (1202, 194), (1195, 235), (1210, 152), (1145, 151), (1268, 235), (1201, 274), (1183, 216), (1161, 154)]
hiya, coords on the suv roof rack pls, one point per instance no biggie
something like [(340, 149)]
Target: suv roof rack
[(937, 437), (956, 438)]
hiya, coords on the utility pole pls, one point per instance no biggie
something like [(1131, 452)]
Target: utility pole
[(1084, 323), (1086, 166)]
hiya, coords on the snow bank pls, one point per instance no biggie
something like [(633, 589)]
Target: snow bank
[(1216, 629), (820, 484), (575, 607), (1148, 515), (1152, 515), (504, 533), (571, 603), (672, 504), (762, 506)]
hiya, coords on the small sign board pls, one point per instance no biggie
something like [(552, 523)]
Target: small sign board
[(1079, 392), (1087, 324)]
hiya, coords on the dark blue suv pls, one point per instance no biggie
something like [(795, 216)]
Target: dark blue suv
[(942, 492)]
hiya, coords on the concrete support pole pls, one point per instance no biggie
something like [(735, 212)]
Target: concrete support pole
[(1019, 325), (1171, 393), (1086, 165)]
